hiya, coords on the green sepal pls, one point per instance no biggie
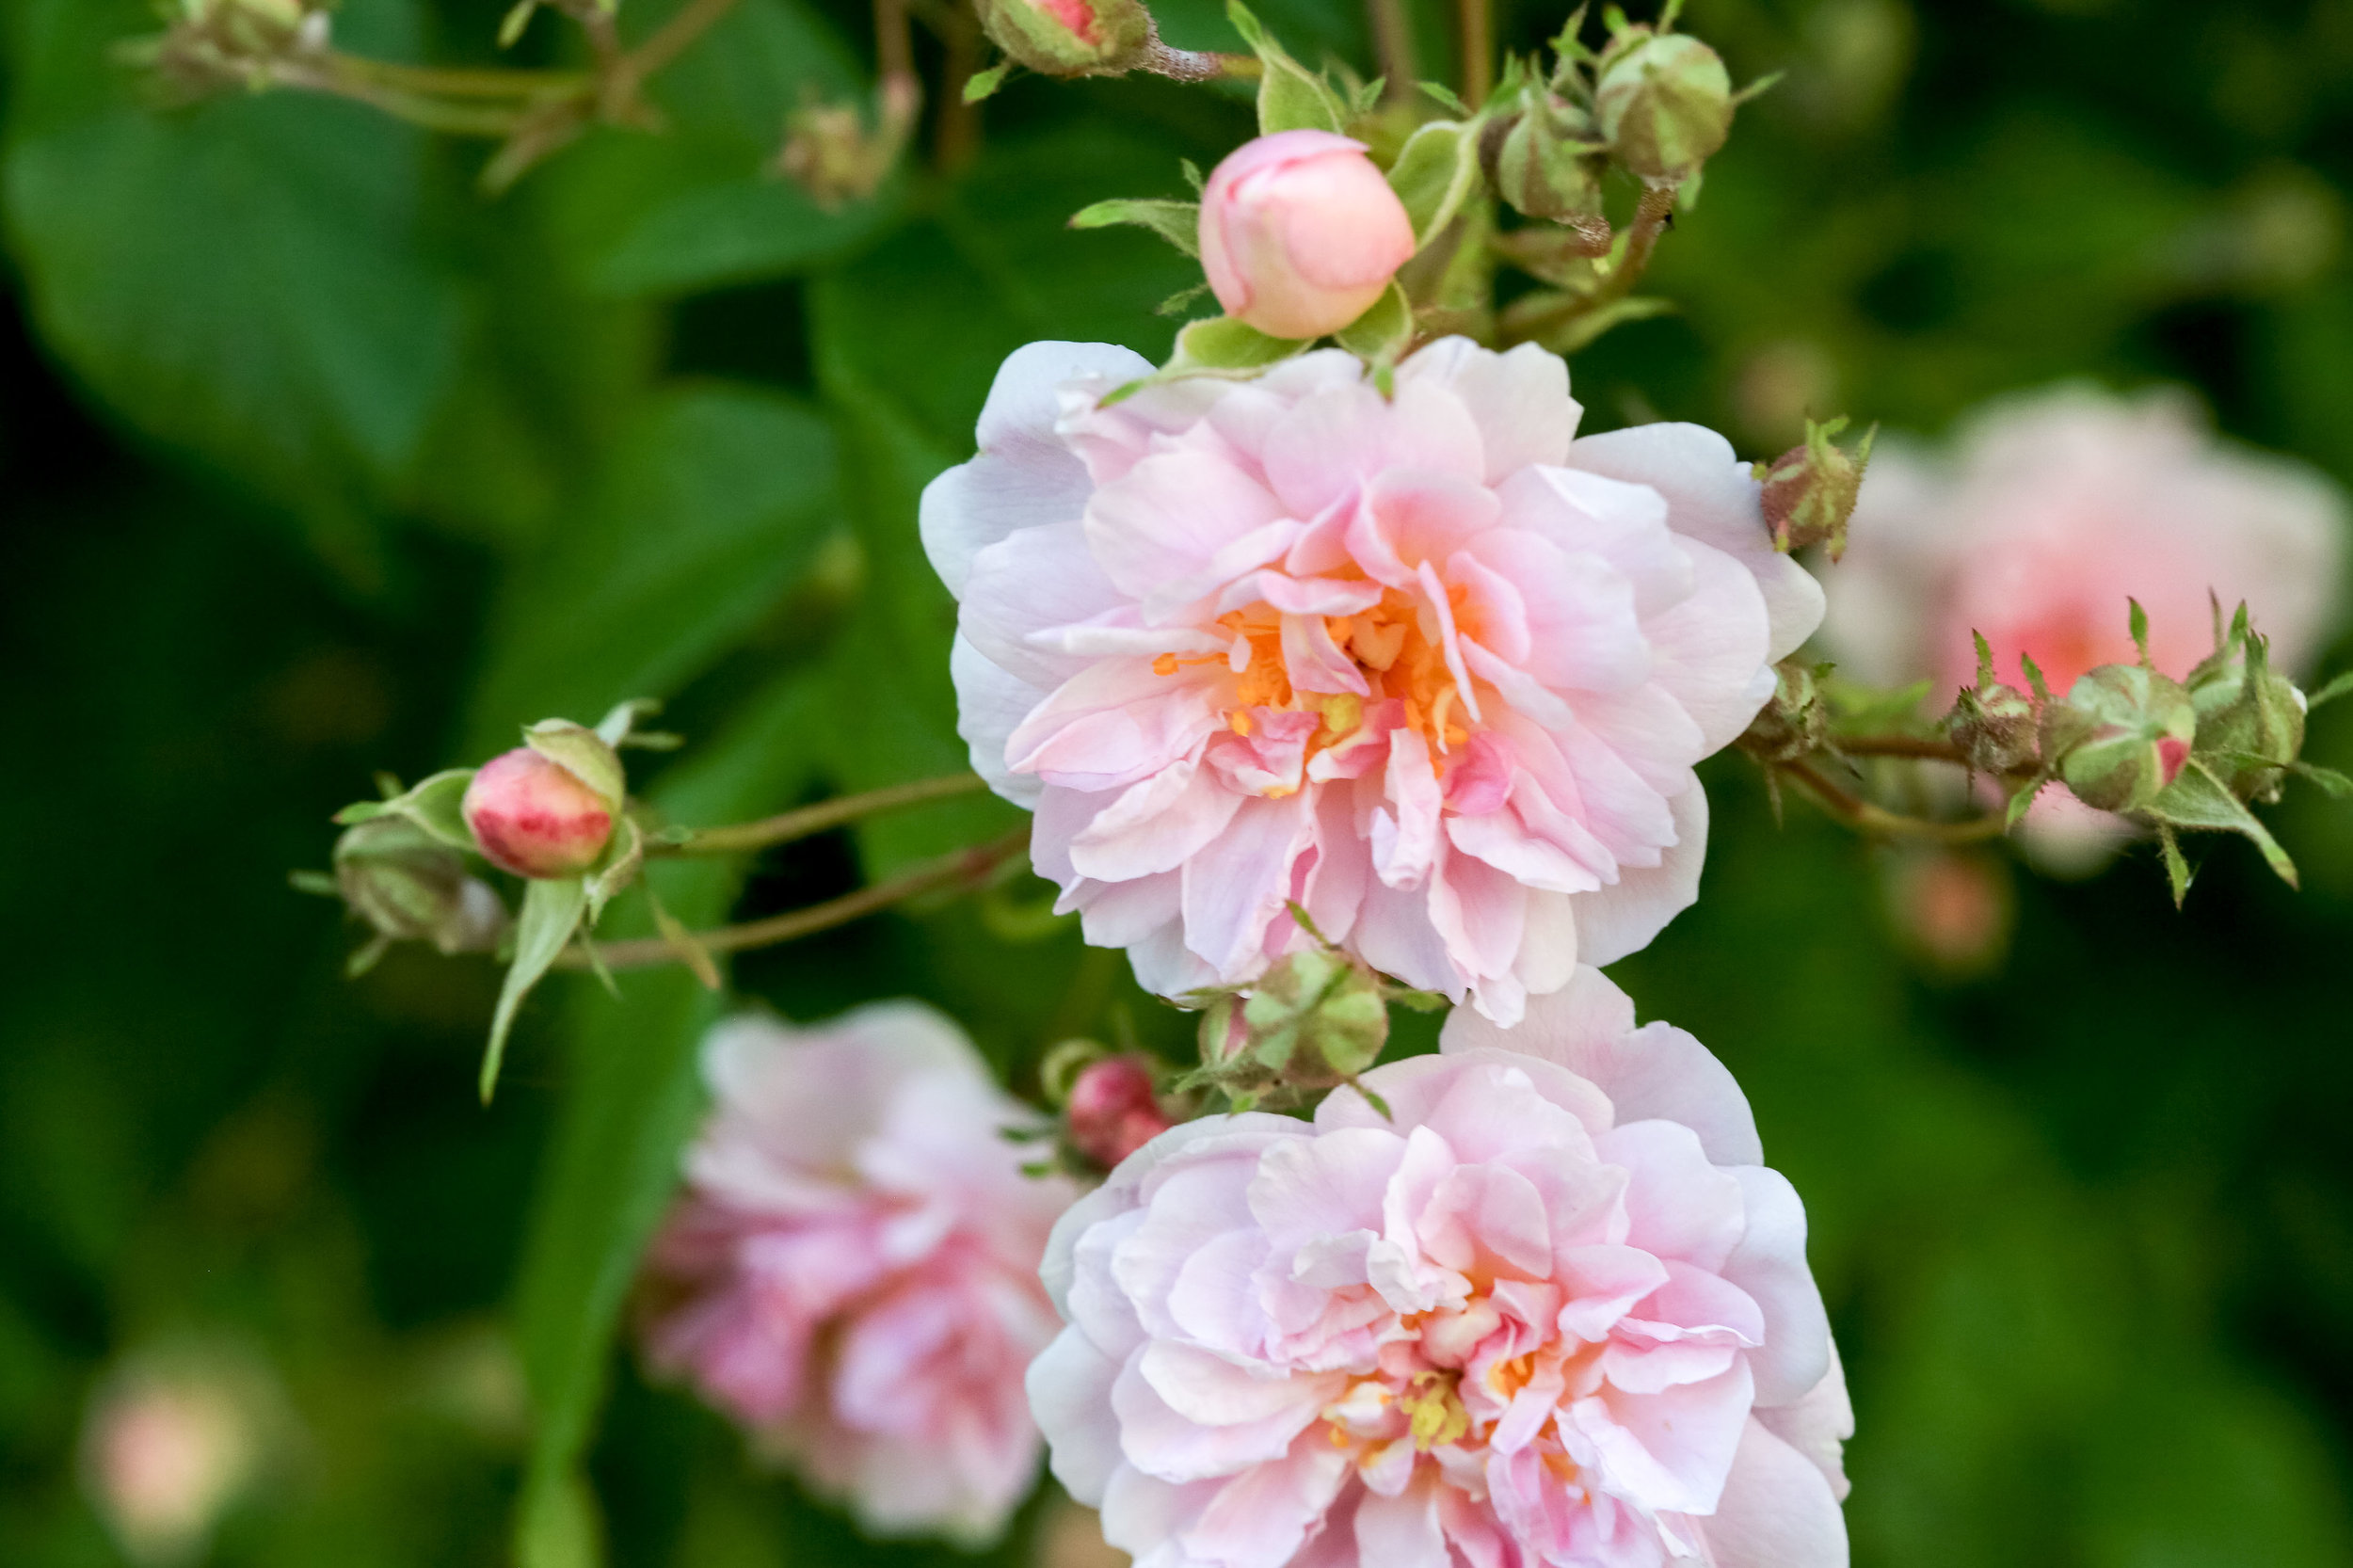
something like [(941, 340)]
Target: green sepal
[(1383, 333), (1182, 300), (2337, 687), (551, 912), (435, 803), (582, 752), (2016, 811), (982, 84), (2332, 783), (1439, 92), (1584, 327), (1436, 172), (1177, 222), (2177, 873), (2197, 799), (1289, 98), (623, 858), (1220, 345)]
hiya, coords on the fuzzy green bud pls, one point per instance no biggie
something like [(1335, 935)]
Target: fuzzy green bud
[(412, 888), (2250, 719), (1794, 720), (2122, 735), (1070, 38), (1546, 161), (1317, 1019), (1665, 104), (1995, 726), (1810, 490)]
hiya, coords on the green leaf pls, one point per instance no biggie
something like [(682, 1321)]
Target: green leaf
[(2197, 799), (630, 1102), (1290, 97), (701, 205), (551, 911), (1381, 333), (1435, 174), (2332, 783), (710, 509), (1177, 222), (255, 281), (1224, 342), (984, 83)]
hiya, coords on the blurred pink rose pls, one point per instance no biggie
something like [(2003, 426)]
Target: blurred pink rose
[(174, 1437), (2051, 511), (1421, 664), (1551, 1309), (852, 1271), (1300, 233)]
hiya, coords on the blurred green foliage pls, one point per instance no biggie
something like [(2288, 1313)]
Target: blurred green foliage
[(317, 461)]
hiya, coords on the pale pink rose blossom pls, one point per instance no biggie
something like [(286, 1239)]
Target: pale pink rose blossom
[(1422, 664), (851, 1273), (2051, 511), (1551, 1309), (1300, 233)]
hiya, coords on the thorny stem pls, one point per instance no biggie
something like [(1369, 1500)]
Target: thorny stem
[(1865, 817), (964, 868), (787, 826), (1477, 36)]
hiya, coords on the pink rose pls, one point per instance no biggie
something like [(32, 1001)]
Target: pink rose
[(531, 815), (2051, 511), (1300, 233), (852, 1271), (1420, 663), (1551, 1309)]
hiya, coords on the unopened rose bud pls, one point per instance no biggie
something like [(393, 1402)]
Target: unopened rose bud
[(2121, 736), (1996, 727), (1070, 38), (1794, 720), (532, 815), (1665, 104), (1115, 1110), (1810, 490), (1548, 162), (1300, 234), (412, 888), (2250, 720)]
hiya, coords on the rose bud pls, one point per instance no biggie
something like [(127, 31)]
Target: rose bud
[(1070, 38), (1810, 490), (534, 817), (1300, 234), (1113, 1110), (1994, 724), (2122, 734), (1794, 720), (412, 888), (2250, 719), (1665, 104)]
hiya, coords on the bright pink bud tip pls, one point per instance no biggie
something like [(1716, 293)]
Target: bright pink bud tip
[(1300, 233), (1113, 1111), (534, 817), (2172, 751)]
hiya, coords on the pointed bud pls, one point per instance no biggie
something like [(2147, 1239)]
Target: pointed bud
[(412, 888), (2250, 719), (1994, 724), (540, 817), (1070, 38), (1546, 160), (1810, 490), (1794, 720), (2121, 736), (1665, 104), (1115, 1110)]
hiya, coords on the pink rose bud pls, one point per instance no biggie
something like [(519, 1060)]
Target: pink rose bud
[(1112, 1110), (534, 817), (1300, 234)]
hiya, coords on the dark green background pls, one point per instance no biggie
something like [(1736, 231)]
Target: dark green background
[(315, 461)]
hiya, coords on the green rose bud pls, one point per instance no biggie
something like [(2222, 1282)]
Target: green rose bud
[(1994, 724), (1794, 720), (2250, 720), (1665, 104), (412, 888), (1547, 161), (1810, 490), (2121, 736), (1070, 38), (1317, 1017)]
